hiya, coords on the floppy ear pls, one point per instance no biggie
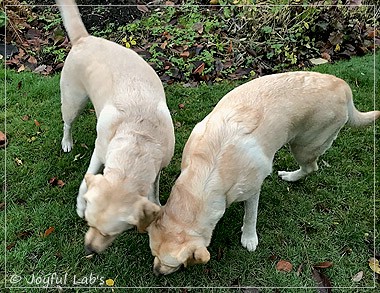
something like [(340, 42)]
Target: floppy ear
[(92, 179), (200, 256), (148, 212), (89, 178)]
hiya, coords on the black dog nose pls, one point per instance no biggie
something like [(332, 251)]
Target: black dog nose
[(89, 251), (156, 271)]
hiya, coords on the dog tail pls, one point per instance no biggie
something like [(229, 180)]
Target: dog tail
[(72, 20), (357, 118)]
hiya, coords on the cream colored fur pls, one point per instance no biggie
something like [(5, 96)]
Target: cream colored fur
[(135, 135), (229, 154)]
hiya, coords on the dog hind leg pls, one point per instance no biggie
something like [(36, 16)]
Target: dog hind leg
[(307, 154), (249, 237), (73, 100)]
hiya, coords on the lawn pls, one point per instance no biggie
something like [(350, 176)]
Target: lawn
[(328, 216)]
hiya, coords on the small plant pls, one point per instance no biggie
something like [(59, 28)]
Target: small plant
[(3, 18)]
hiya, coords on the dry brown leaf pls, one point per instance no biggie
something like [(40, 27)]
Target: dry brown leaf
[(163, 45), (49, 231), (299, 270), (60, 183), (11, 245), (21, 68), (323, 265), (32, 60), (199, 69), (198, 27), (284, 266), (323, 282), (142, 8), (229, 50), (37, 123), (185, 54)]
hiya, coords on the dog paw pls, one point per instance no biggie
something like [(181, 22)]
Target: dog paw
[(249, 242), (289, 176), (67, 145)]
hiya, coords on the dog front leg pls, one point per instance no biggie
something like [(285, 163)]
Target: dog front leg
[(249, 237), (94, 168)]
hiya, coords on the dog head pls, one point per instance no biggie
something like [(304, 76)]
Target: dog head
[(172, 248), (111, 209)]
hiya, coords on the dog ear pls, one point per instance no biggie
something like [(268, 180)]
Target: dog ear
[(92, 179), (149, 211), (89, 178), (200, 256)]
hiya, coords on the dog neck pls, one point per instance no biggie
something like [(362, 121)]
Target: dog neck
[(132, 157), (200, 209)]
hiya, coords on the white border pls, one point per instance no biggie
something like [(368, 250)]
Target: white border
[(184, 287)]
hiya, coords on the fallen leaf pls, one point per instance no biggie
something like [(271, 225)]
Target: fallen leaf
[(10, 246), (214, 2), (318, 61), (198, 27), (299, 270), (49, 231), (324, 284), (326, 56), (33, 138), (185, 54), (163, 45), (142, 8), (284, 266), (229, 50), (24, 234), (181, 106), (110, 282), (374, 265), (355, 2), (37, 123), (32, 60), (60, 183), (3, 139), (40, 69), (18, 162), (21, 68), (323, 265), (199, 69), (358, 277)]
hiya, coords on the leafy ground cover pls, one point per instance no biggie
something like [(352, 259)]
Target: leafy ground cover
[(322, 226), (192, 43)]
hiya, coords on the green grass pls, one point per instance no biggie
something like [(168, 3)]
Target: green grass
[(328, 216)]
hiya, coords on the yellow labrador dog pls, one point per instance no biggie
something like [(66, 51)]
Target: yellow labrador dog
[(229, 154), (135, 134)]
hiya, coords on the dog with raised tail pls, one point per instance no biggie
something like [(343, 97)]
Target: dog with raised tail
[(229, 154), (135, 133)]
